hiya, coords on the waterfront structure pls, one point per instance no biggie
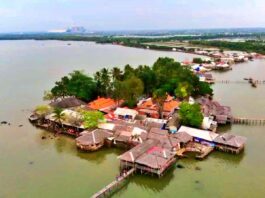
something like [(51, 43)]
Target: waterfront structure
[(230, 143), (92, 141), (148, 157), (198, 134), (69, 102), (221, 114)]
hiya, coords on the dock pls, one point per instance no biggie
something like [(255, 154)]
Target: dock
[(114, 185), (248, 121), (260, 82), (202, 150)]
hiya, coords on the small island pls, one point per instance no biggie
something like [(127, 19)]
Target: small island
[(157, 114)]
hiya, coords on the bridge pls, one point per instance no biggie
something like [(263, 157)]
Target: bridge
[(248, 121), (116, 184), (259, 82)]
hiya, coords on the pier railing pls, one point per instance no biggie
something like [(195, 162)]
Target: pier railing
[(108, 190), (259, 82), (248, 121)]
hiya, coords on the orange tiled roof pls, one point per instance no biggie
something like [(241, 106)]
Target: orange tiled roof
[(169, 104), (102, 103)]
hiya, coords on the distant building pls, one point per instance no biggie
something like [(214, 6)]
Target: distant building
[(76, 29)]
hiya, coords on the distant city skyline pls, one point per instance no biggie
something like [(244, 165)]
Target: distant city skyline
[(45, 15)]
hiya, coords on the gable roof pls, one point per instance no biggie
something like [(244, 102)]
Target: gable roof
[(231, 140), (67, 103), (198, 133), (169, 105), (103, 104), (156, 157), (94, 137), (135, 152)]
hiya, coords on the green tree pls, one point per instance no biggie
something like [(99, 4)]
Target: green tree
[(183, 90), (59, 116), (76, 84), (148, 77), (197, 60), (159, 98), (48, 96), (128, 71), (190, 114), (105, 81), (43, 110), (91, 119), (116, 73), (132, 89)]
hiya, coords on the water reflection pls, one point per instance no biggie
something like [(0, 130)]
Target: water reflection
[(152, 182), (227, 158), (100, 156)]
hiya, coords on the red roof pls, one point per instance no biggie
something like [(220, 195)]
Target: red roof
[(103, 104), (169, 105)]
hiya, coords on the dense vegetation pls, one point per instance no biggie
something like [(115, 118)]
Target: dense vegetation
[(200, 39), (248, 46), (75, 84), (91, 119), (190, 115), (130, 84)]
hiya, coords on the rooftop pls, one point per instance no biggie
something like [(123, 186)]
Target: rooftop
[(231, 140), (103, 104), (67, 103), (197, 133)]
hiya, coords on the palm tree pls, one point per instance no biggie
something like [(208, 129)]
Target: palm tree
[(116, 73), (58, 116), (98, 79), (105, 79), (159, 98)]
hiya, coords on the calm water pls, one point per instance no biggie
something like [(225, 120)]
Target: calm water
[(32, 167)]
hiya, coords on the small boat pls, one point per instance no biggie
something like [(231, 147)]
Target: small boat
[(253, 84)]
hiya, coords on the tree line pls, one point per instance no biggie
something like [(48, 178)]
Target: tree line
[(247, 46), (130, 84)]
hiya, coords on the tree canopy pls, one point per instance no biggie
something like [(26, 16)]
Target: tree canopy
[(91, 119), (75, 84), (190, 114), (132, 83)]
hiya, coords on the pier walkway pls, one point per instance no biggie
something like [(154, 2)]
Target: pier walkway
[(259, 82), (110, 188), (248, 121)]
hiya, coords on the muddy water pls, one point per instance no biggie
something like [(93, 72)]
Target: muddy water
[(34, 167)]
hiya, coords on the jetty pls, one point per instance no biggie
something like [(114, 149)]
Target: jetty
[(249, 121), (114, 185), (250, 81)]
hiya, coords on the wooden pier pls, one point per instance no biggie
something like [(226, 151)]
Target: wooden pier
[(248, 121), (116, 184), (259, 82)]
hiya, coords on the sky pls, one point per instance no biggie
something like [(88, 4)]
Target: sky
[(43, 15)]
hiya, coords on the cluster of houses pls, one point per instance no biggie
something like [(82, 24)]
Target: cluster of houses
[(152, 144), (217, 60)]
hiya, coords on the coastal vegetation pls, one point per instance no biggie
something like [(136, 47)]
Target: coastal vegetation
[(254, 44), (130, 84), (247, 46), (190, 115), (75, 84)]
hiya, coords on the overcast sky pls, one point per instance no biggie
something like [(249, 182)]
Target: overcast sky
[(41, 15)]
